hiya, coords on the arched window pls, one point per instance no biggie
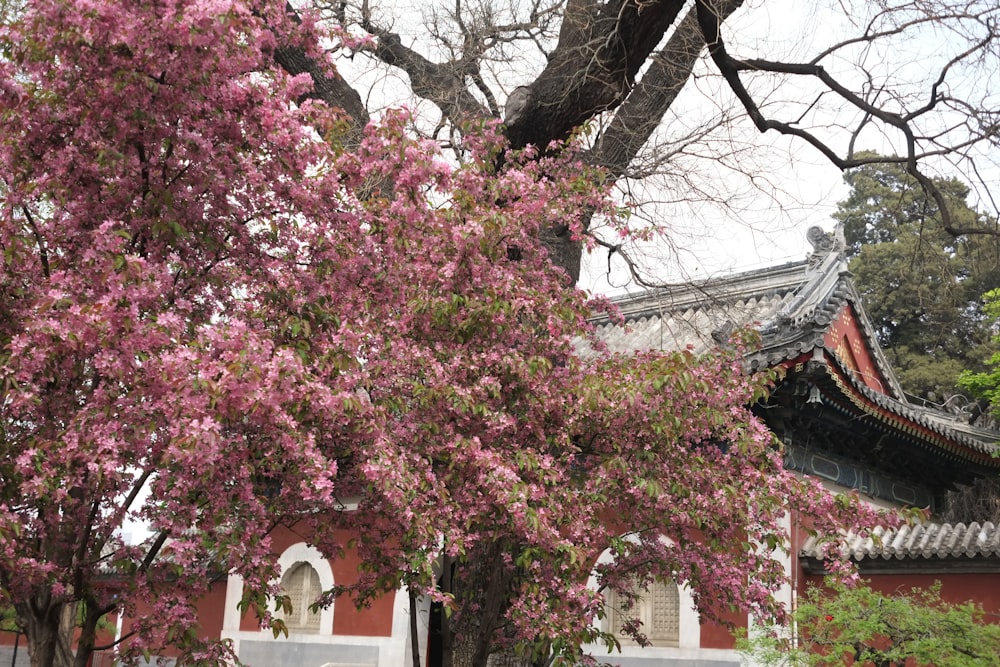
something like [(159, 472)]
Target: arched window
[(658, 608), (301, 584)]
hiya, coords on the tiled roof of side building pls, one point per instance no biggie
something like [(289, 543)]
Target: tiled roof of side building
[(925, 540)]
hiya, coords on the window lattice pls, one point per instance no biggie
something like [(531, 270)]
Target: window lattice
[(665, 605), (657, 608), (301, 584)]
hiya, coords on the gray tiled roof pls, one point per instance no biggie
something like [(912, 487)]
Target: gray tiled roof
[(927, 540), (685, 316), (791, 306)]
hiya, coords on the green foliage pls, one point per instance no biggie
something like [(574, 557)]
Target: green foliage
[(840, 625), (986, 384), (7, 621), (920, 285)]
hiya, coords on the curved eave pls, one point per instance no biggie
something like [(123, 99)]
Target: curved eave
[(905, 419), (783, 348)]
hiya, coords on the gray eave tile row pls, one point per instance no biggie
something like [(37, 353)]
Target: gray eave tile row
[(694, 316), (927, 540)]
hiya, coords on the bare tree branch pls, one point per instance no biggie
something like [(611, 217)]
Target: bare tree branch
[(441, 83), (709, 19)]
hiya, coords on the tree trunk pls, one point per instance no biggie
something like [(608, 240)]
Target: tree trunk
[(480, 582), (48, 627), (609, 41)]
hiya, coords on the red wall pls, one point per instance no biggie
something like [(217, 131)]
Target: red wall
[(374, 620), (956, 587), (717, 635)]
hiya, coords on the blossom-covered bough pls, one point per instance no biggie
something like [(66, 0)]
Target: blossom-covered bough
[(214, 320)]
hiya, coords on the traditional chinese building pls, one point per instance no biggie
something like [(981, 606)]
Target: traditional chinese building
[(841, 416), (839, 412)]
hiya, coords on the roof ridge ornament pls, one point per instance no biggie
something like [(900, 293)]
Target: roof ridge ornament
[(824, 244), (826, 265)]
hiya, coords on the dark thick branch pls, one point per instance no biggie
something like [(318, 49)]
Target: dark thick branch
[(328, 86), (43, 254), (643, 110), (437, 82), (600, 51), (441, 83), (567, 94), (641, 113)]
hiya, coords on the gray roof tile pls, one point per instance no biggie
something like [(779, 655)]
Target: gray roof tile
[(790, 305), (925, 540)]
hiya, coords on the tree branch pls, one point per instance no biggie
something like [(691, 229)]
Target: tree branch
[(328, 86), (643, 110), (730, 68), (600, 52), (436, 82)]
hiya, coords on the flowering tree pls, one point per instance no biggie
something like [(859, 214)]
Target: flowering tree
[(214, 319), (157, 245)]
